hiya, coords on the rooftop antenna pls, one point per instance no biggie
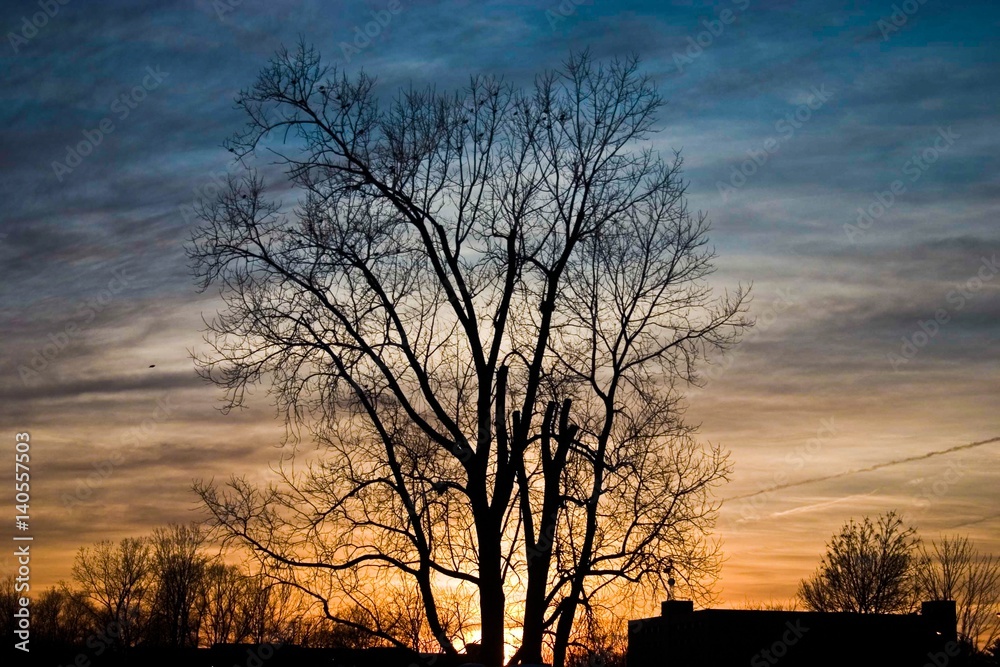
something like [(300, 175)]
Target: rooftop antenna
[(670, 579)]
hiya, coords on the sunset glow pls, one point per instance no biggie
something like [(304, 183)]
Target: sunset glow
[(846, 161)]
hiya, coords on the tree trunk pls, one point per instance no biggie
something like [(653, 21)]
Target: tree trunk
[(539, 555), (563, 629), (491, 603), (534, 608)]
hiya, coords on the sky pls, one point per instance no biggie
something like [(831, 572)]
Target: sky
[(846, 153)]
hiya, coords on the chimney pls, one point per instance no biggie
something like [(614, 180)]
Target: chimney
[(941, 618)]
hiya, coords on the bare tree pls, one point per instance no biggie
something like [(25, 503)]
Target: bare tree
[(337, 635), (268, 604), (484, 305), (794, 604), (955, 570), (224, 604), (116, 580), (62, 617), (993, 651), (179, 572), (600, 639), (869, 568), (8, 605)]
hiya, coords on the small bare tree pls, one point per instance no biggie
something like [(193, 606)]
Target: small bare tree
[(771, 605), (869, 568), (8, 605), (239, 606), (484, 305), (955, 570), (116, 579), (222, 605), (179, 573), (62, 617)]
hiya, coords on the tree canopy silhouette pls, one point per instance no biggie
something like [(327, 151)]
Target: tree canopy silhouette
[(484, 306), (954, 569), (869, 568)]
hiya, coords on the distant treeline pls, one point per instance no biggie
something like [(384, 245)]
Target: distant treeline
[(168, 590), (173, 593)]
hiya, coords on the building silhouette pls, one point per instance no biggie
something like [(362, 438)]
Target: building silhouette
[(683, 637)]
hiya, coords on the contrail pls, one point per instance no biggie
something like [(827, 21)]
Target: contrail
[(974, 521), (827, 503), (877, 466)]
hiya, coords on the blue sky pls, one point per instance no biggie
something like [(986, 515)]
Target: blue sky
[(877, 337)]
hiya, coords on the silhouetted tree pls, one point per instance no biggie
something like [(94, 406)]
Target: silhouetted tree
[(869, 568), (61, 617), (484, 305), (117, 582), (269, 603), (771, 605), (8, 605), (178, 568), (955, 570), (993, 651), (228, 595), (601, 640)]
